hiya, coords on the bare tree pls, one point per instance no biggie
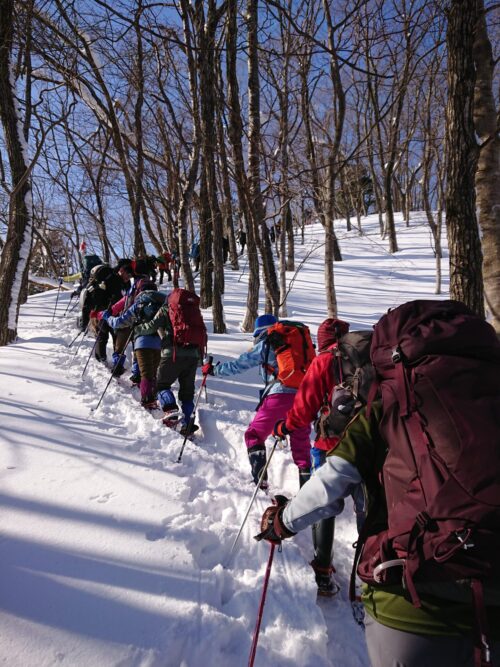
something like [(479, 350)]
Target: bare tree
[(17, 248), (466, 282), (235, 133), (488, 166)]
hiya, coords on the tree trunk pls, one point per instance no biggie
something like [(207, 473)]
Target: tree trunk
[(466, 283), (254, 138), (488, 167), (17, 248), (206, 64), (235, 132)]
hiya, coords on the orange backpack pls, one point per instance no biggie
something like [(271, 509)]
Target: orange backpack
[(292, 344)]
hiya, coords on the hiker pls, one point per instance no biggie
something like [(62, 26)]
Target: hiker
[(103, 288), (163, 264), (183, 334), (147, 343), (131, 283), (313, 397), (428, 454), (242, 238), (176, 266), (276, 400), (194, 255), (225, 249), (145, 266), (88, 263)]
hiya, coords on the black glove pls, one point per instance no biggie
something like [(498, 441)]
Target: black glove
[(272, 526), (280, 430)]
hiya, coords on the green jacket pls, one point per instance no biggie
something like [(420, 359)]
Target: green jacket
[(360, 455)]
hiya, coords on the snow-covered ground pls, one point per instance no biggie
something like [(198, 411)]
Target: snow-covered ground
[(111, 552)]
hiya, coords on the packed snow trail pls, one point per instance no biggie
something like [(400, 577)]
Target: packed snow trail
[(113, 553)]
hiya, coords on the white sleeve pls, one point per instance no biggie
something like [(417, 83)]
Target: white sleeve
[(323, 495)]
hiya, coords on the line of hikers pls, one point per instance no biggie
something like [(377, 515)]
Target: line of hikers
[(407, 423), (167, 333)]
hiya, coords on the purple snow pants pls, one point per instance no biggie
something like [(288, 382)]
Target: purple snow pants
[(275, 407)]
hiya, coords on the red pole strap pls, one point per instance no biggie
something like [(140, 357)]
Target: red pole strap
[(261, 608)]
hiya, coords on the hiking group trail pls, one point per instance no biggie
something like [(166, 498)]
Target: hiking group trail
[(113, 552)]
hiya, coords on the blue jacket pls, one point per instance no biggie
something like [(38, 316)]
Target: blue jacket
[(251, 359), (128, 319)]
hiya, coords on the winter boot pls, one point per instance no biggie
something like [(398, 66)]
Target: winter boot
[(304, 476), (118, 364), (189, 429), (135, 378), (327, 586), (257, 458), (148, 396), (187, 413)]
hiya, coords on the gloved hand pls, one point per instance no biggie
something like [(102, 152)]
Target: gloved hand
[(280, 430), (272, 527), (106, 314), (208, 368)]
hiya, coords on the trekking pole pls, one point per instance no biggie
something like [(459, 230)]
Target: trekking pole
[(57, 298), (68, 309), (112, 371), (255, 639), (69, 304), (78, 336), (257, 487), (91, 351), (80, 344), (193, 414)]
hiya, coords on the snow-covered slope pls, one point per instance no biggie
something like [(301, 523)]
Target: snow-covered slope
[(111, 552)]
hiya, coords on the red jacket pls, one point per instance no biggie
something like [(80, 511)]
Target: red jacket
[(315, 388)]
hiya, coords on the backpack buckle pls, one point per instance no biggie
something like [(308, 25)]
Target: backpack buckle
[(462, 536), (397, 356)]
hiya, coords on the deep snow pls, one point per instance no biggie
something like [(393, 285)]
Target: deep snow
[(112, 554)]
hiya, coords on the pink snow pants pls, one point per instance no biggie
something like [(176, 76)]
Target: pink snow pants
[(273, 408)]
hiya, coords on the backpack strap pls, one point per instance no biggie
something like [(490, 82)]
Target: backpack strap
[(360, 542), (482, 654), (268, 370)]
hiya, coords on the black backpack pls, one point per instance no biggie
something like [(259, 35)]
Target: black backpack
[(89, 262), (104, 287), (352, 367)]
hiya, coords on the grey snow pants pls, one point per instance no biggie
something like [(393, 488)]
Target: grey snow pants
[(388, 647)]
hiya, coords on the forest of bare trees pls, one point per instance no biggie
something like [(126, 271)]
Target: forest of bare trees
[(140, 126)]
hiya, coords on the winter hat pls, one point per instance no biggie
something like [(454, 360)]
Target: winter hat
[(330, 331), (262, 322), (125, 263)]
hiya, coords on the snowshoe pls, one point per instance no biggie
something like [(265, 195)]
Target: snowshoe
[(135, 380), (327, 586), (150, 405), (172, 418), (189, 429)]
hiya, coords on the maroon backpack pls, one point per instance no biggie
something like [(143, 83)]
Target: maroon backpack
[(186, 318), (438, 368)]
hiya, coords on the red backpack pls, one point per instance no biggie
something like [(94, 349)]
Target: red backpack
[(292, 344), (186, 318), (438, 368)]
